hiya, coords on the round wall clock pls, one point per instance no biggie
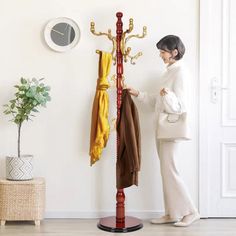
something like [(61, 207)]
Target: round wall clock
[(62, 34)]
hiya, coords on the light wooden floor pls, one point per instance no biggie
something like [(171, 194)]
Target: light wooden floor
[(80, 227)]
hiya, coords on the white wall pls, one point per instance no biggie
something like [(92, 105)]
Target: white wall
[(59, 135)]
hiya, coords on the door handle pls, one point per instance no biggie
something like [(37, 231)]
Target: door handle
[(215, 88)]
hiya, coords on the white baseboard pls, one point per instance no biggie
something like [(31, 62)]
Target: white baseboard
[(99, 214)]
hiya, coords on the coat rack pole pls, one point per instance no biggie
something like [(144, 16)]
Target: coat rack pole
[(120, 196), (120, 222)]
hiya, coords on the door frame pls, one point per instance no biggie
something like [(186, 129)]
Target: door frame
[(204, 22), (205, 77)]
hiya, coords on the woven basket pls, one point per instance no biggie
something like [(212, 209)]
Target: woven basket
[(22, 200)]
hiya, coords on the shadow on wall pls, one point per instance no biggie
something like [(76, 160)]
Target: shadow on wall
[(2, 167), (86, 120)]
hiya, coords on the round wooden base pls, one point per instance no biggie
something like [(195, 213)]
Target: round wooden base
[(109, 224)]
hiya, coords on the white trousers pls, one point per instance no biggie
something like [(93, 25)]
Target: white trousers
[(177, 200)]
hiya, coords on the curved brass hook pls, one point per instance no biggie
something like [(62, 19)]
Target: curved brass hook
[(132, 58), (137, 35), (113, 124), (123, 43), (126, 51), (110, 37), (131, 26), (113, 80)]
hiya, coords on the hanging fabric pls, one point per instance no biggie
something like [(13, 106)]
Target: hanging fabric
[(99, 125), (129, 154)]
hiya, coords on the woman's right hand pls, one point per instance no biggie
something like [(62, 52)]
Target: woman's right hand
[(163, 92), (132, 91)]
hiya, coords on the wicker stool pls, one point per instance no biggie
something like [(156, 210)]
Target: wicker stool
[(22, 200)]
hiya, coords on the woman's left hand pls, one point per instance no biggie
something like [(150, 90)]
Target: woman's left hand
[(132, 91), (163, 92)]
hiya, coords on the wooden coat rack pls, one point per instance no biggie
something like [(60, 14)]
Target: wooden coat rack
[(120, 222)]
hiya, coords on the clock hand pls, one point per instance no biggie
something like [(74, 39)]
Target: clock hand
[(57, 32), (66, 27)]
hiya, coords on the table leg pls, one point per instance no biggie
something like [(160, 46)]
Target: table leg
[(37, 222), (3, 222)]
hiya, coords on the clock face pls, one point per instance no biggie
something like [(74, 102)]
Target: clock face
[(62, 34)]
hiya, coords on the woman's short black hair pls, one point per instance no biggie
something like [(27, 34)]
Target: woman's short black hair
[(170, 43)]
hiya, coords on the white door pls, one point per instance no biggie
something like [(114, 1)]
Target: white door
[(217, 138)]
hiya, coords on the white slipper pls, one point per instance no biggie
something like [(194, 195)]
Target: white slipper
[(163, 220), (188, 220)]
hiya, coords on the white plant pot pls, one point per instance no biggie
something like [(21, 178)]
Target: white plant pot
[(19, 168)]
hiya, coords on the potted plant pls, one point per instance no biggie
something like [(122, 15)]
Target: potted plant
[(30, 94)]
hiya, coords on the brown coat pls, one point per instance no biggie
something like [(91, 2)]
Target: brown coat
[(129, 155)]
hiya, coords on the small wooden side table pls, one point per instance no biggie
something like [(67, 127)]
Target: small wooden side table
[(22, 200)]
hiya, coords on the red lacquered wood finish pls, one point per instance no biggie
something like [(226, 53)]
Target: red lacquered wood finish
[(130, 224), (120, 222), (120, 196)]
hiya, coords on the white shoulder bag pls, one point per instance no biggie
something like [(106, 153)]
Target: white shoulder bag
[(173, 126)]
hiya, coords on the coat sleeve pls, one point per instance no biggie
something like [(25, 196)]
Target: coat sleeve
[(131, 139), (149, 99), (174, 101)]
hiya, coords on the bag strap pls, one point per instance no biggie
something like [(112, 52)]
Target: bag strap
[(170, 121)]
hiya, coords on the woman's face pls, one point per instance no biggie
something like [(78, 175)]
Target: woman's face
[(165, 56)]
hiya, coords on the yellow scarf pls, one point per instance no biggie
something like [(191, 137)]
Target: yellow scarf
[(99, 126)]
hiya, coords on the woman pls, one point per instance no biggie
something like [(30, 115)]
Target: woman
[(179, 207)]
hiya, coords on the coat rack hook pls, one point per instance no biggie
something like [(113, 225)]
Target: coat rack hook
[(126, 50), (109, 36)]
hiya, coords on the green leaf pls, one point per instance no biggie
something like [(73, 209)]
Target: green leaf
[(45, 94), (47, 88), (34, 80), (17, 121), (28, 94), (22, 88), (23, 81)]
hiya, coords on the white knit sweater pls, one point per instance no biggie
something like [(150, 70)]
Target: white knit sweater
[(174, 80)]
